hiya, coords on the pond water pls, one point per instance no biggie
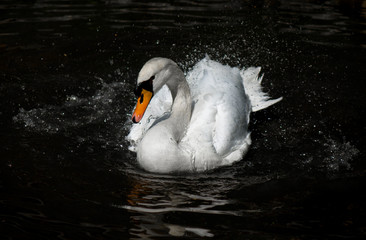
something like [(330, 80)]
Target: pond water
[(68, 70)]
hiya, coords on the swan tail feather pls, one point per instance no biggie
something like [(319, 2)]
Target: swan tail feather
[(253, 88)]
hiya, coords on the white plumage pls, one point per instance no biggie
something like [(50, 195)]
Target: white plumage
[(206, 125)]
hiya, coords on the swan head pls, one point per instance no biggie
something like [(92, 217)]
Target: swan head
[(152, 77)]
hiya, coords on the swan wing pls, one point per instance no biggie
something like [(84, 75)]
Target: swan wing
[(221, 110)]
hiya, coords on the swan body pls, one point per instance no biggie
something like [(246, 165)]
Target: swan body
[(195, 124)]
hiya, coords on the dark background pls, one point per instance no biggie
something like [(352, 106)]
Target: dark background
[(67, 74)]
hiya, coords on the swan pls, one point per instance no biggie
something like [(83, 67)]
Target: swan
[(194, 124)]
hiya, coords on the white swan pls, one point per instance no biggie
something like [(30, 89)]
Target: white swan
[(202, 124)]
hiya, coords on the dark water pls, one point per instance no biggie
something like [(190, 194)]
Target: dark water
[(67, 71)]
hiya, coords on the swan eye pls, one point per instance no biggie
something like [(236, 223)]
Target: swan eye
[(141, 98), (147, 85)]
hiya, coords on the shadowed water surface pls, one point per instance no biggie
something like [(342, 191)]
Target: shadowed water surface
[(68, 70)]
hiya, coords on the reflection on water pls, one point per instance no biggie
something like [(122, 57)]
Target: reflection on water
[(148, 209), (145, 197), (155, 203)]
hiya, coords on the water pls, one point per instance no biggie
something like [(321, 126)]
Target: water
[(68, 69)]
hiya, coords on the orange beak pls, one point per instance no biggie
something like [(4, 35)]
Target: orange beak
[(142, 103)]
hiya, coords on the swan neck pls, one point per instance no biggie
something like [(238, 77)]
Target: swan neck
[(181, 107)]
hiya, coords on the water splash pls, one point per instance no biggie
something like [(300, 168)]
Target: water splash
[(339, 155), (75, 112)]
